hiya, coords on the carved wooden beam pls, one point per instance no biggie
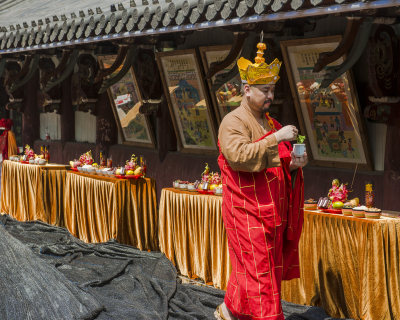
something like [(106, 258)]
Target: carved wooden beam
[(67, 71), (247, 52), (125, 68), (325, 58), (232, 55), (48, 101), (358, 47), (22, 73), (12, 70), (83, 91), (122, 51), (56, 70), (33, 66)]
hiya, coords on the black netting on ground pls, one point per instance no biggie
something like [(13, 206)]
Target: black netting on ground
[(46, 273)]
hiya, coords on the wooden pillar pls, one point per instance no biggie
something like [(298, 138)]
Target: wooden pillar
[(30, 116), (67, 112)]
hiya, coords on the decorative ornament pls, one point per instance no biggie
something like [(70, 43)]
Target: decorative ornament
[(259, 72)]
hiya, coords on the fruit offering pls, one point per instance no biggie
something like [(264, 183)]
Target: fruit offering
[(209, 180), (352, 203), (75, 164), (133, 168), (29, 153), (337, 205), (338, 192), (86, 158)]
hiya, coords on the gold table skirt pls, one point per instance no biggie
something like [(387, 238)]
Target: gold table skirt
[(192, 235), (33, 192), (349, 266), (99, 208)]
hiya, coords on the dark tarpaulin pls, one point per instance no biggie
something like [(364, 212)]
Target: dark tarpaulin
[(46, 273)]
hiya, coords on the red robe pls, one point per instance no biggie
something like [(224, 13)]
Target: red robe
[(263, 217)]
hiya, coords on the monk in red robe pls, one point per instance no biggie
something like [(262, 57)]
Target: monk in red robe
[(262, 198)]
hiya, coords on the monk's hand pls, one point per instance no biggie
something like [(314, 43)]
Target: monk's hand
[(298, 162), (287, 133)]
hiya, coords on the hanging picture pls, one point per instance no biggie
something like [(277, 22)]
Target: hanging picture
[(126, 100), (228, 96), (329, 117), (187, 100)]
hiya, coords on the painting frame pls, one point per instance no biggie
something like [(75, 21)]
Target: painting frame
[(175, 111), (204, 50), (292, 51), (150, 143)]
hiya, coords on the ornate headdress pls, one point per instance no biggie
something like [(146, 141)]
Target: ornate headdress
[(259, 72)]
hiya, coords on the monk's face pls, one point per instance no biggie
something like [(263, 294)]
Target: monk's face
[(259, 96)]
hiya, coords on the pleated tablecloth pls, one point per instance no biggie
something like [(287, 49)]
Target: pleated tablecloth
[(99, 208), (33, 192), (349, 266), (192, 235)]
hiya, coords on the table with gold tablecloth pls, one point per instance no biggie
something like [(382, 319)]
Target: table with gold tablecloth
[(33, 192), (349, 266), (99, 208), (192, 235)]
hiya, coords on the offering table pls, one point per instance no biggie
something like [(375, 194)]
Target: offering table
[(192, 235), (349, 266), (100, 208), (33, 192)]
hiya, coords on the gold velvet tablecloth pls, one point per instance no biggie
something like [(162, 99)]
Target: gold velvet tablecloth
[(193, 237), (99, 208), (33, 192), (349, 266)]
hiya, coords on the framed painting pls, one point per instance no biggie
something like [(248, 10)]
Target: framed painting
[(126, 100), (187, 99), (228, 96), (329, 117)]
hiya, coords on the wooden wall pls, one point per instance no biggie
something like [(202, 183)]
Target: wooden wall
[(166, 165)]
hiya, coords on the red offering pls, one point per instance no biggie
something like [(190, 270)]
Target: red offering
[(334, 211), (74, 169), (26, 162), (205, 192), (128, 176)]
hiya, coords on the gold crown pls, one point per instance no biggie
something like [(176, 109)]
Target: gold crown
[(259, 72)]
